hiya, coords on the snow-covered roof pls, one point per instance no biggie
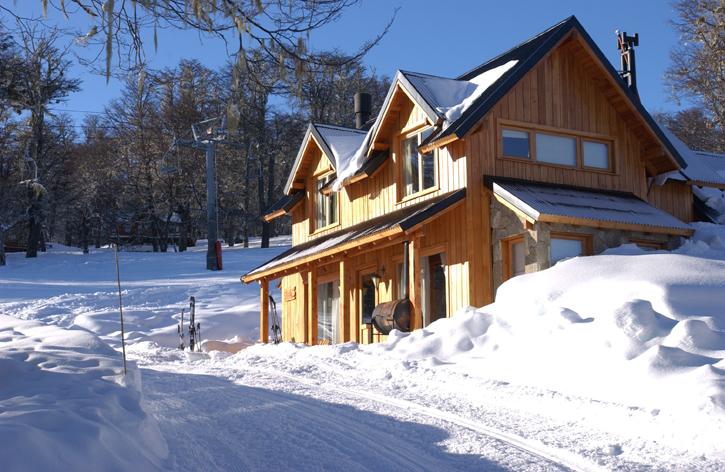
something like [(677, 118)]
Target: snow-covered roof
[(714, 160), (542, 201), (343, 142), (392, 223), (697, 169), (338, 143)]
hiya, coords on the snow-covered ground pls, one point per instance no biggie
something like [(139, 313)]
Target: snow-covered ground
[(613, 362)]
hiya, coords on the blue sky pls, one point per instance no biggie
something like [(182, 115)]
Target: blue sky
[(435, 37)]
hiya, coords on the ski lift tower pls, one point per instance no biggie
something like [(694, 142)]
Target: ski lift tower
[(207, 134)]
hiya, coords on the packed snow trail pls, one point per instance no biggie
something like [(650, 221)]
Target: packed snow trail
[(215, 423), (612, 362)]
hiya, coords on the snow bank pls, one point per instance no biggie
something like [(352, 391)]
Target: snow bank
[(65, 405), (629, 326)]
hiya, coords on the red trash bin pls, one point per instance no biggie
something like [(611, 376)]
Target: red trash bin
[(218, 247)]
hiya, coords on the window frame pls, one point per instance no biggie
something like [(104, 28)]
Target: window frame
[(586, 239), (313, 207), (506, 254), (656, 245), (405, 134), (578, 136)]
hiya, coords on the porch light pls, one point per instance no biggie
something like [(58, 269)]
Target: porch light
[(376, 279)]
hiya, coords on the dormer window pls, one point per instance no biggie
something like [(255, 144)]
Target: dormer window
[(418, 169), (325, 206)]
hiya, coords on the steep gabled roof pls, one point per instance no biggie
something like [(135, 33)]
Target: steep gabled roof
[(338, 143), (527, 55)]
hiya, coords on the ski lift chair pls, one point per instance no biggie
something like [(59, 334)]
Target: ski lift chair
[(32, 171), (173, 168)]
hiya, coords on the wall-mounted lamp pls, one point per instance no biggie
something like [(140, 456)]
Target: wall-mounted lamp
[(376, 279)]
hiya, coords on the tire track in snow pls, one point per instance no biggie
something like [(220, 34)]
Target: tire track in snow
[(521, 444)]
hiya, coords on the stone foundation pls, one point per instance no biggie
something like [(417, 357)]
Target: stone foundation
[(506, 224)]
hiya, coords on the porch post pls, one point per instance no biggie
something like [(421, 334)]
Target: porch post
[(416, 319), (264, 311), (312, 306), (345, 315)]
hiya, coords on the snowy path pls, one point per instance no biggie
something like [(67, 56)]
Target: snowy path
[(214, 423)]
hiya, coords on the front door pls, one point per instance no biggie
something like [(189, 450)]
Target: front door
[(328, 313)]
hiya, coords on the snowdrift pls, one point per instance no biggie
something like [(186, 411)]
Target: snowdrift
[(65, 405), (628, 326)]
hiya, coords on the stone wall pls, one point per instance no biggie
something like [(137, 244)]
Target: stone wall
[(506, 224)]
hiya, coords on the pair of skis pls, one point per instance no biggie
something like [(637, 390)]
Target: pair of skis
[(194, 331)]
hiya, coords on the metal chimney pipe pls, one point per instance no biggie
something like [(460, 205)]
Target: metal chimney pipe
[(363, 103), (626, 44)]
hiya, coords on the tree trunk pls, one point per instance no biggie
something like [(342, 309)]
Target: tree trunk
[(270, 195), (84, 234), (245, 225), (154, 235), (184, 228), (98, 233), (2, 246), (34, 225), (262, 209)]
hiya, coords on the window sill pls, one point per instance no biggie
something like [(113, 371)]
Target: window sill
[(528, 160), (418, 195), (324, 228)]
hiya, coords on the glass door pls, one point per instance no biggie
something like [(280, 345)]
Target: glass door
[(328, 313)]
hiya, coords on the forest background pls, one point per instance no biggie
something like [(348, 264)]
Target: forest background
[(86, 182)]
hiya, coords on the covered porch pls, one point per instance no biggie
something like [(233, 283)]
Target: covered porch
[(330, 283)]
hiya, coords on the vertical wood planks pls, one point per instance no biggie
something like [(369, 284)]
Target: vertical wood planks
[(264, 311)]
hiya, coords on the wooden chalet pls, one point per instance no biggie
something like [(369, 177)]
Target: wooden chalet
[(541, 153)]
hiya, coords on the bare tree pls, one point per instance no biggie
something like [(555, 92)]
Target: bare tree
[(45, 81), (698, 62)]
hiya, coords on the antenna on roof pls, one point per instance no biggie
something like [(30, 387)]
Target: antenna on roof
[(626, 44)]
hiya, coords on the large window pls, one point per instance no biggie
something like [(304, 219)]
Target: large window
[(419, 170), (564, 246), (328, 313), (564, 149), (325, 206), (514, 259)]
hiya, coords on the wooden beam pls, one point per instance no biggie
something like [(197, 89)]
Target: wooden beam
[(345, 314), (416, 312), (614, 225), (652, 153), (274, 215), (518, 212), (264, 311), (358, 243), (312, 307), (298, 185), (380, 147)]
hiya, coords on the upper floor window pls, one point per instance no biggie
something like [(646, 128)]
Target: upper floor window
[(565, 149), (419, 170), (325, 206)]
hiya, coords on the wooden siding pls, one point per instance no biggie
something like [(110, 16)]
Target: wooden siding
[(445, 234), (674, 197), (560, 93)]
